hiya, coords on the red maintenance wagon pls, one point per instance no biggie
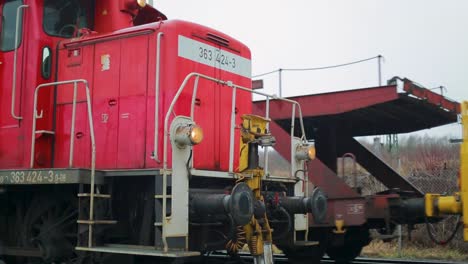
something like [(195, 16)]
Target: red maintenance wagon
[(333, 120)]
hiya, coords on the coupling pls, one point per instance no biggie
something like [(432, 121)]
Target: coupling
[(316, 204), (239, 204)]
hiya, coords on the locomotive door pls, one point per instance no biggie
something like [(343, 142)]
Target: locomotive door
[(132, 105), (11, 144), (9, 84)]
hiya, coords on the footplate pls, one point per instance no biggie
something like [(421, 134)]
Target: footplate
[(140, 250)]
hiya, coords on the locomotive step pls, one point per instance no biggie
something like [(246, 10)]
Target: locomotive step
[(106, 196), (139, 250), (97, 222)]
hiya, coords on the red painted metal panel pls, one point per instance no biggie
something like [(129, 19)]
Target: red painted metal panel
[(108, 16), (11, 131), (321, 176), (243, 106), (213, 113), (69, 69), (431, 97), (15, 137), (6, 83), (106, 102), (81, 153), (132, 105), (206, 117), (334, 103), (130, 90)]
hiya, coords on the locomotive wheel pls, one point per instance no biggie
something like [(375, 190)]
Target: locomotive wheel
[(50, 226), (305, 255)]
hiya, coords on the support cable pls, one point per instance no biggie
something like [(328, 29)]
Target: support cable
[(319, 68)]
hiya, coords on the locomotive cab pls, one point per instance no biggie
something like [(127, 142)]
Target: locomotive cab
[(30, 34), (30, 31)]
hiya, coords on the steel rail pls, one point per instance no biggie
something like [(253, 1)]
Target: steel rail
[(280, 258)]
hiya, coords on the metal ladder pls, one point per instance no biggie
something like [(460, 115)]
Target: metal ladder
[(90, 222), (162, 201)]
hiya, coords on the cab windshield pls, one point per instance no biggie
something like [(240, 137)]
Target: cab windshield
[(62, 18)]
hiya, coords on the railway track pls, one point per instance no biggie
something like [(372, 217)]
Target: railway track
[(281, 259), (393, 261)]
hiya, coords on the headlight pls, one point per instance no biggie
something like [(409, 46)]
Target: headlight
[(141, 3), (188, 135), (196, 135), (305, 152)]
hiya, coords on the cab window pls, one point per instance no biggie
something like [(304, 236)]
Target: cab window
[(7, 36), (62, 18)]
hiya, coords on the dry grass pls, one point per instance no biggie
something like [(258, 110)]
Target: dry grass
[(390, 250)]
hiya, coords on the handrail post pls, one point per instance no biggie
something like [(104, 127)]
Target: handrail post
[(265, 154), (301, 121), (231, 130), (156, 97), (34, 122), (15, 58), (72, 129), (194, 97), (292, 136), (93, 164)]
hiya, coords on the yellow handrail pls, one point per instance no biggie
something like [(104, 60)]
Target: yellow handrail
[(464, 169)]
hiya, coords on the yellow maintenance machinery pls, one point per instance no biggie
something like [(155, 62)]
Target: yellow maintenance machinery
[(258, 233), (437, 205), (255, 133)]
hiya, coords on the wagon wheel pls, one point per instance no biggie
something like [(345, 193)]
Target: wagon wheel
[(50, 225), (354, 241), (346, 253), (305, 255)]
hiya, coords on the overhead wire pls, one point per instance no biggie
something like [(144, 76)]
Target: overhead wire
[(319, 68)]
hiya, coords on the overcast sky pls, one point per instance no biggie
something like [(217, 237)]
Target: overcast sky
[(423, 40)]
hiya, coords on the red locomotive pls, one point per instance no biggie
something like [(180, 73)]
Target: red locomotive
[(124, 134), (126, 137)]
